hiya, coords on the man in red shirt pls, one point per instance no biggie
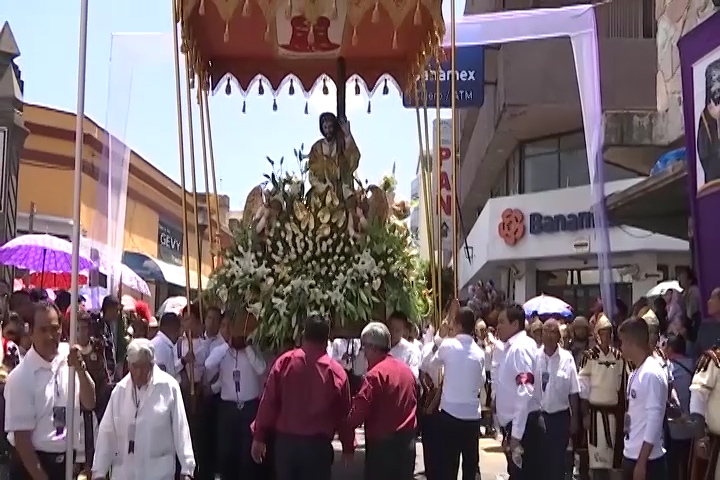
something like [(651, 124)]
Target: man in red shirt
[(305, 401), (386, 404)]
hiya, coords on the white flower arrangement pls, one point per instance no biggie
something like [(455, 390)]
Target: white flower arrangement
[(304, 262)]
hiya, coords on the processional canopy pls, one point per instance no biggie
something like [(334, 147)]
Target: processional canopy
[(277, 40)]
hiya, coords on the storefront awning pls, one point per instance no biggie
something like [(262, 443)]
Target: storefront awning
[(156, 270), (657, 204)]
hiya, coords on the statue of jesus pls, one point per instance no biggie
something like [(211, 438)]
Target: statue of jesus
[(334, 158)]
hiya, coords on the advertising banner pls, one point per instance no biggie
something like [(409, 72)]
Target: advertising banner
[(469, 87), (443, 211)]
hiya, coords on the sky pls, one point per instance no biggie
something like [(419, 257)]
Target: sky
[(134, 97)]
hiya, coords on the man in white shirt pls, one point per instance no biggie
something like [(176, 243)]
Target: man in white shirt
[(514, 384), (402, 349), (36, 400), (464, 377), (206, 458), (647, 394), (164, 343), (559, 399), (242, 371), (428, 413), (347, 352), (145, 427)]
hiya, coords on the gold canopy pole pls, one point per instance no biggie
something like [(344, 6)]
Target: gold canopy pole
[(438, 194), (453, 152), (206, 105), (426, 196), (428, 180), (203, 141), (193, 179), (181, 146), (176, 15)]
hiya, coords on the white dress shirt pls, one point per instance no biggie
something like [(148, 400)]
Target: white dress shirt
[(647, 393), (199, 350), (166, 356), (209, 380), (516, 383), (32, 390), (348, 354), (250, 366), (161, 431), (407, 353), (496, 358), (464, 366), (558, 379)]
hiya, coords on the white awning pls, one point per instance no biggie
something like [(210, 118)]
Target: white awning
[(154, 269)]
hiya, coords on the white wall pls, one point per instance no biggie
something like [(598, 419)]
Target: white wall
[(491, 251)]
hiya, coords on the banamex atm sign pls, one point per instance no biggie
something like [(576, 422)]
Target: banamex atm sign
[(469, 84)]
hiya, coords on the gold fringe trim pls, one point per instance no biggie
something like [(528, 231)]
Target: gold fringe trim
[(201, 10), (394, 40), (354, 37), (246, 9), (376, 13), (417, 17), (226, 35)]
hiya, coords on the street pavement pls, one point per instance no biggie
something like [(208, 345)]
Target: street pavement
[(492, 460)]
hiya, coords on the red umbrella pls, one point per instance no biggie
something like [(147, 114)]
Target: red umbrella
[(55, 281)]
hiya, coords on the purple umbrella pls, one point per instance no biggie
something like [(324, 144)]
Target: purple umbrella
[(41, 253)]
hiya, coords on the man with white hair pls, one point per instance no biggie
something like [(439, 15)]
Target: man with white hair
[(144, 427), (386, 404)]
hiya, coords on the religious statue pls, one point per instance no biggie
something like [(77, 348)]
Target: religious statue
[(333, 159)]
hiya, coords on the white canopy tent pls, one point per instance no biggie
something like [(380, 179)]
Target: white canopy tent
[(578, 23)]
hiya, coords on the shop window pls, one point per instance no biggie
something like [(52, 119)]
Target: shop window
[(561, 162)]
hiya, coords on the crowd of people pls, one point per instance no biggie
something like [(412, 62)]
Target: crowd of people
[(190, 396)]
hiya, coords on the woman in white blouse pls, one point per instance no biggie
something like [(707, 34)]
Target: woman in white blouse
[(144, 427)]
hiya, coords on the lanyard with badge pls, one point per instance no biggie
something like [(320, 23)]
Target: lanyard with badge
[(133, 423), (630, 394), (236, 380), (59, 413)]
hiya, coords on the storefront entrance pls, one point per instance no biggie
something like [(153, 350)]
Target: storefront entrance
[(581, 288)]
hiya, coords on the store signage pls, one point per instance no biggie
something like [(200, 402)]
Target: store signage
[(570, 222), (170, 243), (469, 83), (444, 182)]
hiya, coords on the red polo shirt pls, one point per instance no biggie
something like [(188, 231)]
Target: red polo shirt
[(387, 400), (306, 393)]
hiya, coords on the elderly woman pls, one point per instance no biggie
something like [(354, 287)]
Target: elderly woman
[(144, 427)]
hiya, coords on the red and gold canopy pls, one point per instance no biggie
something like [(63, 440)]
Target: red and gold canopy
[(305, 38)]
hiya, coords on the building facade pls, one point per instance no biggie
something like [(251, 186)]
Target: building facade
[(153, 243), (546, 242)]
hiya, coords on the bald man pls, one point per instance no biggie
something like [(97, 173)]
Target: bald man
[(559, 400)]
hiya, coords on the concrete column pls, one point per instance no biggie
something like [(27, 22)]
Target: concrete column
[(12, 138)]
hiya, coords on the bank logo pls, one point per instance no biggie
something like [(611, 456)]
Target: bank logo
[(512, 226)]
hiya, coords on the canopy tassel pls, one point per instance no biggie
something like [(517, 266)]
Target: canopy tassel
[(246, 9), (369, 109), (334, 12), (354, 37), (291, 90), (394, 40), (267, 32), (417, 17), (306, 107), (274, 104), (261, 89), (226, 35), (376, 13), (228, 89), (311, 35), (244, 105), (201, 10), (325, 89), (357, 87), (386, 89)]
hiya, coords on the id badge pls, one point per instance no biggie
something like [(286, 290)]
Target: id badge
[(545, 378), (236, 379), (59, 420), (131, 438)]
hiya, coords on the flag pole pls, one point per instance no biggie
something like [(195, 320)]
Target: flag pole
[(79, 134)]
